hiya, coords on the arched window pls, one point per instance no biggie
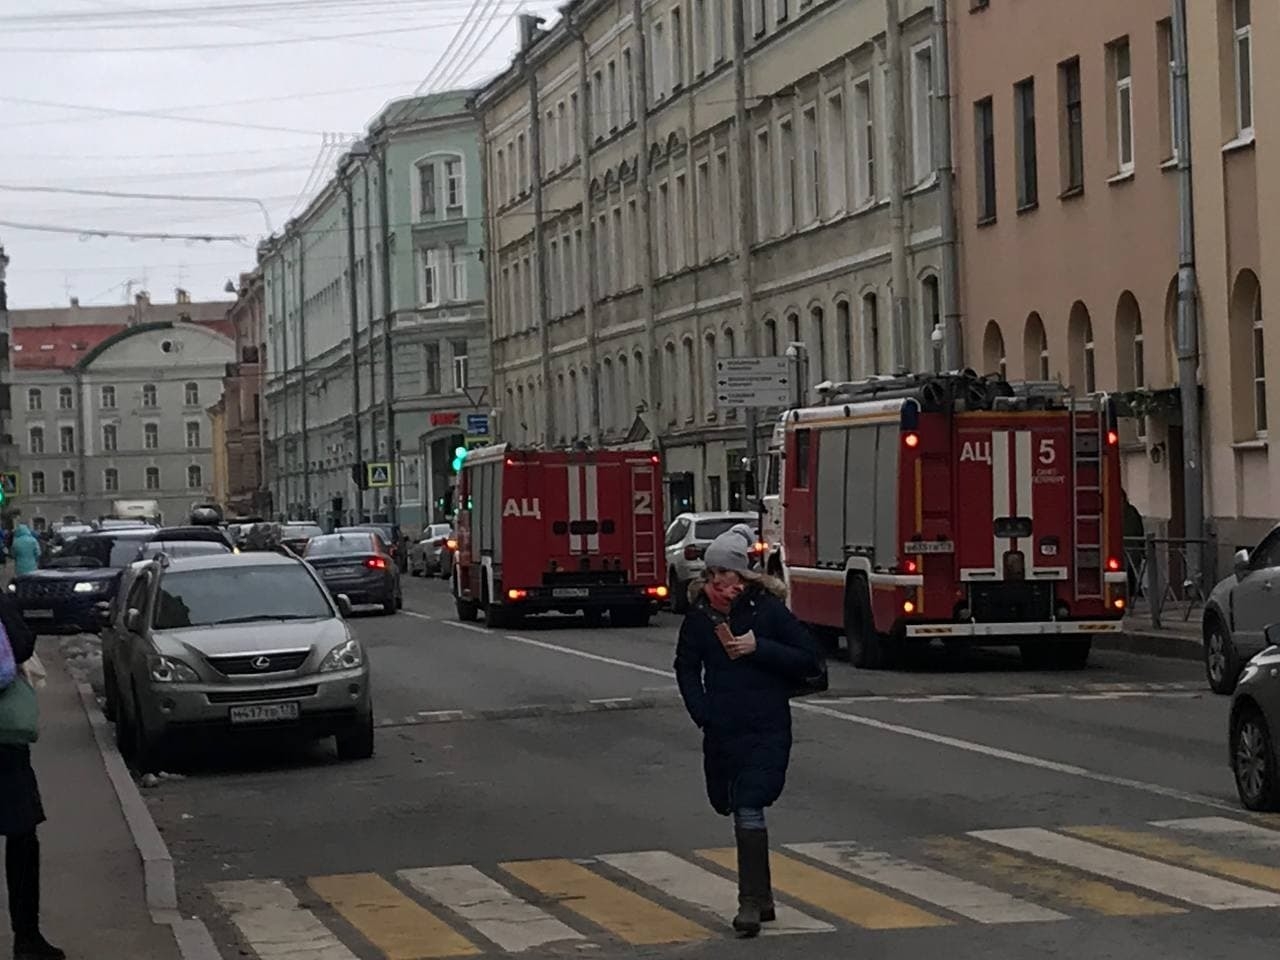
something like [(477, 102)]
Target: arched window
[(1131, 373), (993, 355), (845, 335), (793, 328), (1035, 349), (1080, 340), (1248, 368), (771, 337), (585, 425), (818, 344), (871, 333), (607, 403), (670, 392), (623, 395), (195, 477), (930, 319)]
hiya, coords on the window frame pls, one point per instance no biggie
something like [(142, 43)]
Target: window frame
[(865, 188), (67, 481), (1072, 121), (923, 164), (65, 431), (1025, 146), (107, 396), (1242, 37), (151, 429), (1123, 93), (195, 472), (37, 395), (113, 431), (110, 480), (38, 487), (190, 396), (35, 440), (147, 475), (984, 137), (66, 398), (186, 433)]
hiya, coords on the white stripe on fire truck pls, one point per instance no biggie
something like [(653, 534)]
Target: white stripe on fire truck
[(573, 477), (999, 495), (593, 507), (1026, 508)]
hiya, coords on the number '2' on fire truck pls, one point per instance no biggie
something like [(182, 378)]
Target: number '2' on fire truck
[(559, 531), (954, 508)]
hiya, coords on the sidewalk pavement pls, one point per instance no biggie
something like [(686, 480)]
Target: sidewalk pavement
[(94, 904), (1176, 638)]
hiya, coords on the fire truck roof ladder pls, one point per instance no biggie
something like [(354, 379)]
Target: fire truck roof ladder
[(1087, 446), (935, 391)]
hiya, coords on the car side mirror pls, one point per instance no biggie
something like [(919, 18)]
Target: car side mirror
[(133, 619), (1242, 563), (344, 604), (1272, 635)]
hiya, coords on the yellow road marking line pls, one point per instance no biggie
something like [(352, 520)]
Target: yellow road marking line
[(843, 898), (396, 925), (1066, 887), (1186, 854), (622, 912)]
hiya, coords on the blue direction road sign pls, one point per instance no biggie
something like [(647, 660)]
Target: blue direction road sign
[(478, 424)]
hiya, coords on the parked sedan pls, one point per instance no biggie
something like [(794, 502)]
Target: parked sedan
[(359, 566), (234, 644), (1254, 726), (432, 555), (687, 540), (296, 536), (1239, 610)]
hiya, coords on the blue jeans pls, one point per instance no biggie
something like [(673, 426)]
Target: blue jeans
[(749, 818)]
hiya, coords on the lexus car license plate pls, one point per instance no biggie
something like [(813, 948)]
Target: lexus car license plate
[(264, 713), (571, 592)]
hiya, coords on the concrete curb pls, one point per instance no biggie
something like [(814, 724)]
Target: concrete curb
[(191, 935), (1153, 643)]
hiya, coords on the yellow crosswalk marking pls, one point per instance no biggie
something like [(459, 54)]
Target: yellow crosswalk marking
[(1065, 886), (623, 913), (840, 897), (1184, 854), (396, 925)]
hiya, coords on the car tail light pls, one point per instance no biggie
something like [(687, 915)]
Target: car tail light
[(376, 563), (660, 591), (759, 547), (693, 552), (911, 439), (451, 544), (514, 594)]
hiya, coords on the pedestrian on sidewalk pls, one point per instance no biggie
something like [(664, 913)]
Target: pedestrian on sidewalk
[(20, 813), (741, 656), (26, 550)]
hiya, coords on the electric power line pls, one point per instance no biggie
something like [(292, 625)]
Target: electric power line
[(129, 195), (126, 234), (154, 115), (476, 31)]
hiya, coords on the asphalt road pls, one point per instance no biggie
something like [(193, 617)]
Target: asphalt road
[(539, 763)]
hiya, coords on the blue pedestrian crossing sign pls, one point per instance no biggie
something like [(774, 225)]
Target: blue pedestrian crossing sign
[(379, 475)]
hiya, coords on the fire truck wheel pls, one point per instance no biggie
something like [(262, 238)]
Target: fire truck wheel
[(1072, 654), (629, 617), (468, 612), (868, 648)]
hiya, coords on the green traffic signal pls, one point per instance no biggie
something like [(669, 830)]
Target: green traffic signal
[(459, 455)]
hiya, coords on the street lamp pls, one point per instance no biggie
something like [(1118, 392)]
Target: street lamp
[(798, 354)]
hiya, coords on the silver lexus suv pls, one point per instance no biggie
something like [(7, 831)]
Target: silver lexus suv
[(239, 644)]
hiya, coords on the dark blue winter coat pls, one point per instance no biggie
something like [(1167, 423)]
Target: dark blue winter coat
[(743, 706)]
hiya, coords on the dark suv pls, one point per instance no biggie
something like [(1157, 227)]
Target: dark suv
[(75, 589)]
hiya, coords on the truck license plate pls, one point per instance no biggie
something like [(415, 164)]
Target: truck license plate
[(571, 592), (37, 614), (265, 713)]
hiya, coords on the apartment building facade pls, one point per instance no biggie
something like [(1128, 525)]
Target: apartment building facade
[(239, 410), (1067, 179), (390, 369), (112, 403), (635, 237)]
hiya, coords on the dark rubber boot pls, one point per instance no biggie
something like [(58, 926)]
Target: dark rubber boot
[(753, 880), (36, 948), (767, 912), (22, 873)]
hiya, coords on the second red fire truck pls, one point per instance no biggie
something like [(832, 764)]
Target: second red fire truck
[(953, 508)]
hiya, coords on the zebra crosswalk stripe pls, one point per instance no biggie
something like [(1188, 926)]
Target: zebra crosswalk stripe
[(964, 897), (389, 920), (685, 881), (494, 911), (1224, 828), (1177, 883), (269, 917), (1197, 858)]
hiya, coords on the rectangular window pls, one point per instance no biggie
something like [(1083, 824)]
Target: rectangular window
[(811, 166), (431, 371), (108, 397), (66, 439), (922, 112), (664, 228), (1243, 22), (864, 143), (35, 400), (1024, 110), (500, 176), (629, 87), (550, 144), (722, 239), (618, 251), (110, 480), (698, 37), (680, 224), (763, 185), (427, 190), (453, 187), (604, 277), (703, 201), (1165, 87), (66, 399), (153, 478), (574, 127), (563, 136), (659, 57), (191, 394), (193, 434), (598, 107), (721, 29), (677, 49), (430, 278), (522, 163), (150, 436), (458, 348), (761, 18), (1259, 374), (68, 481), (109, 437), (37, 482), (615, 107), (837, 187), (1123, 108), (1071, 126), (984, 138), (787, 186), (633, 231), (457, 274), (782, 11), (35, 440)]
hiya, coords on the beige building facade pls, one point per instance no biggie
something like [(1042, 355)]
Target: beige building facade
[(618, 126), (1067, 187)]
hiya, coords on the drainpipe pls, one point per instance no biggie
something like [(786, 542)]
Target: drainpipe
[(388, 369), (952, 343), (1188, 307), (528, 30), (368, 298), (353, 305), (302, 355), (653, 380), (897, 200), (593, 291), (746, 226), (82, 440)]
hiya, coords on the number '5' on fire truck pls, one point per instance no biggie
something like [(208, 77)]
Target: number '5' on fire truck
[(559, 530), (951, 507)]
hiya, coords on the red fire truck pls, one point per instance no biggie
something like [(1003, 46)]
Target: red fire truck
[(953, 508), (559, 531)]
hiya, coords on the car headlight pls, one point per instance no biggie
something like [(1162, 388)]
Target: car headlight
[(89, 586), (12, 587), (345, 656), (170, 670)]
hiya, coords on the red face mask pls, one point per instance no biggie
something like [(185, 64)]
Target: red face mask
[(722, 589)]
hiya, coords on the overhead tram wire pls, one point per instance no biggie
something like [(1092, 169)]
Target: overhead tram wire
[(77, 19), (128, 195), (466, 37), (127, 234), (152, 115), (473, 56)]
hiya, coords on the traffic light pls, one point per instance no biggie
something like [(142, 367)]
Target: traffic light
[(459, 455), (360, 475)]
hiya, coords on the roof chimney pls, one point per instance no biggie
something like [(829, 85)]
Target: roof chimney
[(75, 303), (142, 298), (181, 296)]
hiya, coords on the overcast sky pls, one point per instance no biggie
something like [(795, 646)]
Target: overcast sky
[(66, 65)]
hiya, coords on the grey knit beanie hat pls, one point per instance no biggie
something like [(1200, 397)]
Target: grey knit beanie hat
[(731, 550)]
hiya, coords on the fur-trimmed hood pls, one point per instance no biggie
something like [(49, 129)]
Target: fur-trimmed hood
[(763, 581)]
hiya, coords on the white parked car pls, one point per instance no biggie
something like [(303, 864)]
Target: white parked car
[(1239, 610), (687, 540)]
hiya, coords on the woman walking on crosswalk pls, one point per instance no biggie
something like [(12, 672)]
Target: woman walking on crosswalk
[(741, 656)]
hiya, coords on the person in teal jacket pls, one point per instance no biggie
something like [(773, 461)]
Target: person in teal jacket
[(26, 550)]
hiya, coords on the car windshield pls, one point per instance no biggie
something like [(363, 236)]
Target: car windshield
[(238, 594), (437, 530), (181, 548), (298, 531), (102, 551), (335, 544), (710, 529)]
